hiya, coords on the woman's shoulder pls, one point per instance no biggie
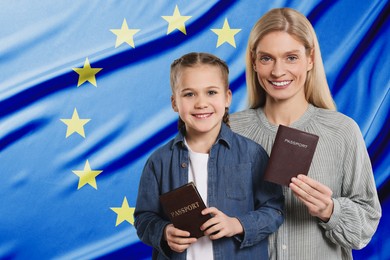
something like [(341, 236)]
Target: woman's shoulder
[(243, 119), (334, 116), (336, 121), (244, 115)]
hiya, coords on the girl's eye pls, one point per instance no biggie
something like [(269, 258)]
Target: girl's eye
[(188, 94), (212, 92)]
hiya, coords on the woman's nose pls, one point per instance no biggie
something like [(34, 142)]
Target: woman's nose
[(278, 69)]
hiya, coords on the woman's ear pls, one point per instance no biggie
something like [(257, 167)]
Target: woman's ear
[(173, 103), (310, 59), (253, 59)]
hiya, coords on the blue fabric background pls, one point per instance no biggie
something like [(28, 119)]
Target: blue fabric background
[(42, 213)]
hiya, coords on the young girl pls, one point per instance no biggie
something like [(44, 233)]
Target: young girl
[(335, 208), (226, 168)]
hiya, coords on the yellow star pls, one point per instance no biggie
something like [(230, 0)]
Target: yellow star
[(87, 73), (124, 34), (176, 21), (87, 176), (124, 213), (226, 34), (75, 124)]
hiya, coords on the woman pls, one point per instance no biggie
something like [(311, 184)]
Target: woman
[(335, 208)]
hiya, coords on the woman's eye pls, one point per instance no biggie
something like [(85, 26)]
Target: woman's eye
[(292, 58), (212, 92), (189, 94), (265, 59)]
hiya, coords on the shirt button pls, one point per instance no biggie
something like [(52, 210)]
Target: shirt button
[(284, 247), (183, 165)]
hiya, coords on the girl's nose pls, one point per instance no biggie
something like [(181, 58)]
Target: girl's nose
[(201, 102)]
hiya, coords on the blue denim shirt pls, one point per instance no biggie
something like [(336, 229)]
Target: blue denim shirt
[(235, 170)]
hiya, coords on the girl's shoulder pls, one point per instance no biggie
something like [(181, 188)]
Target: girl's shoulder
[(164, 151), (246, 145)]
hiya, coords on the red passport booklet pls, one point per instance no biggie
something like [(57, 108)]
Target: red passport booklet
[(291, 154), (183, 206)]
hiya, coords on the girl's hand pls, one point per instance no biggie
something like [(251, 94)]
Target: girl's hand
[(316, 196), (220, 225), (178, 240)]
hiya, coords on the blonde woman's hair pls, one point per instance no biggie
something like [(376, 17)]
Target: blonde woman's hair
[(288, 20), (193, 59)]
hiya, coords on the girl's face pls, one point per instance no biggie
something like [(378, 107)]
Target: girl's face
[(282, 64), (200, 99)]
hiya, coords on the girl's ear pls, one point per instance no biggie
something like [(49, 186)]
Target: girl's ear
[(173, 103), (229, 97)]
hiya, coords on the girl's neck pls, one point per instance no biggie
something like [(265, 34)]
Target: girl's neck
[(284, 113), (200, 143), (199, 146)]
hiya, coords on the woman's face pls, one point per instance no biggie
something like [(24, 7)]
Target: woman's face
[(281, 65)]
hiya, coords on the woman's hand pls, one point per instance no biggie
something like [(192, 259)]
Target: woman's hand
[(316, 196), (178, 240), (220, 225)]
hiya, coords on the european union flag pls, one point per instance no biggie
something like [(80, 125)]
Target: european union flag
[(85, 98)]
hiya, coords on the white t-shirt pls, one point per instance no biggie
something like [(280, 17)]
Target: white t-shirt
[(203, 248)]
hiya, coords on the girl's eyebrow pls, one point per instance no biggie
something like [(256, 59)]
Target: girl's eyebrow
[(206, 88), (186, 89)]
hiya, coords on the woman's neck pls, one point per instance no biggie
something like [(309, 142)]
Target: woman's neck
[(284, 113)]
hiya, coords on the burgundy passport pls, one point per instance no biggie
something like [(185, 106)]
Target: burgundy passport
[(291, 155), (183, 206)]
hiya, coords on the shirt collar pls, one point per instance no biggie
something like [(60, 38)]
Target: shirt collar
[(225, 136)]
